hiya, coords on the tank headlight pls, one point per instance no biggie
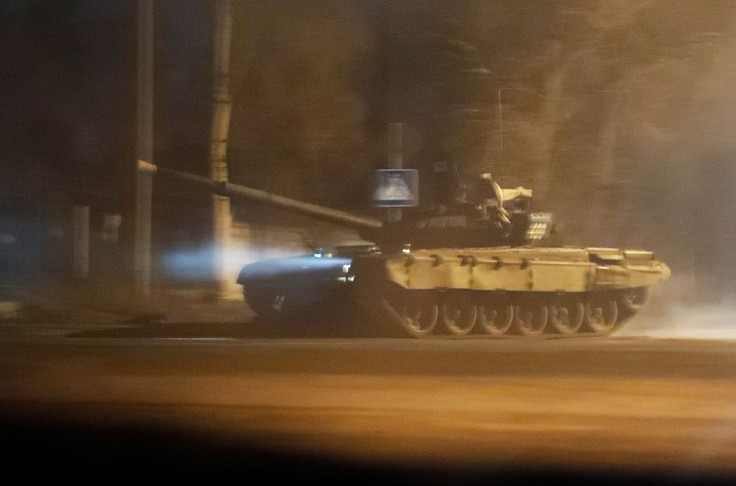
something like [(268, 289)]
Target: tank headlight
[(406, 250), (321, 253)]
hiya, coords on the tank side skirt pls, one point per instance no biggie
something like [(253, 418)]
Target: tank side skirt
[(437, 270)]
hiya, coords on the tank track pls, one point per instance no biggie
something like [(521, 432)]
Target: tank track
[(462, 313)]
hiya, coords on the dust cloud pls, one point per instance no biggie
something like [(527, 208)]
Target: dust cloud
[(676, 310), (679, 321)]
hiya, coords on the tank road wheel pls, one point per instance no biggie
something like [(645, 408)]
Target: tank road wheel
[(530, 318), (266, 303), (458, 314), (632, 300), (601, 315), (496, 317), (417, 314), (566, 315)]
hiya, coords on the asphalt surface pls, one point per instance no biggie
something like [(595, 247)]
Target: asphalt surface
[(209, 400)]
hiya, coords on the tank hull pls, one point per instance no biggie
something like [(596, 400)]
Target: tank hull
[(570, 291)]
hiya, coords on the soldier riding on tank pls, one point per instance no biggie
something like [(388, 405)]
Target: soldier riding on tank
[(489, 198)]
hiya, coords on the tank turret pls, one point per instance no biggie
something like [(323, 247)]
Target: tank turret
[(463, 223), (474, 266)]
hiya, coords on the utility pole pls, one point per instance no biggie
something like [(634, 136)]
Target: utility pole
[(144, 153), (222, 106)]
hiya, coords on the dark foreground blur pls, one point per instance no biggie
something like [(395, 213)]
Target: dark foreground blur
[(88, 452)]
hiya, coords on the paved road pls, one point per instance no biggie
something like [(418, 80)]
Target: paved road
[(214, 393)]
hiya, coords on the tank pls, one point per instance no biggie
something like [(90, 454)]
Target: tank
[(462, 269)]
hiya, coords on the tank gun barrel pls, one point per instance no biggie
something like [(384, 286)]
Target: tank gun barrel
[(229, 189)]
